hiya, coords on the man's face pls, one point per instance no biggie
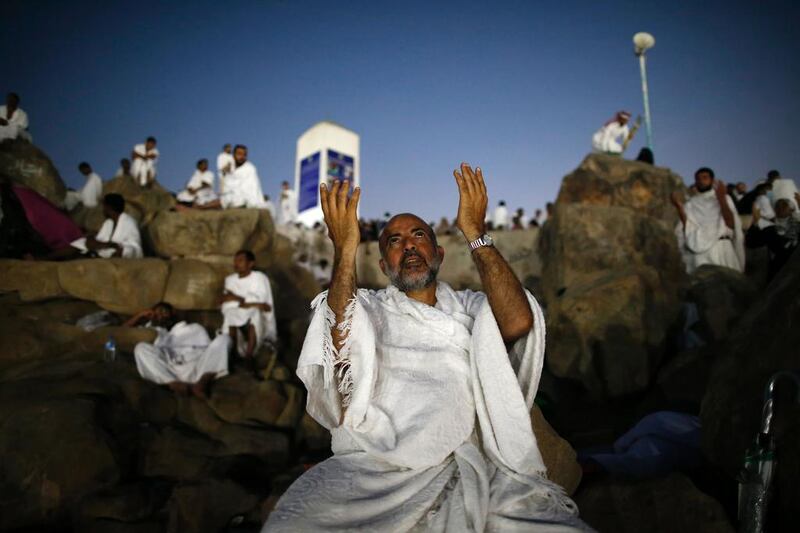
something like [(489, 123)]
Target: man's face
[(242, 265), (623, 119), (240, 156), (11, 101), (203, 166), (227, 148), (409, 256), (149, 145), (126, 165), (108, 212), (285, 186), (161, 316), (703, 181), (741, 188), (85, 170)]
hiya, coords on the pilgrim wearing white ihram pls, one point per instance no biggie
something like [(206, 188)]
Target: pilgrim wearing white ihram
[(200, 188), (125, 232), (184, 353), (243, 188), (704, 238), (144, 160), (253, 288), (428, 409), (605, 139)]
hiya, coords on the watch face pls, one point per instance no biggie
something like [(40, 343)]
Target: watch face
[(488, 239)]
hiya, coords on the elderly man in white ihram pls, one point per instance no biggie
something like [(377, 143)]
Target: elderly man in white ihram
[(426, 390)]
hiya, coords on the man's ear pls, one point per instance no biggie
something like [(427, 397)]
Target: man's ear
[(441, 252), (382, 264)]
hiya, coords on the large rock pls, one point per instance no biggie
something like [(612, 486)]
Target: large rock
[(24, 163), (722, 296), (612, 275), (33, 280), (557, 454), (764, 341), (51, 453), (120, 285), (198, 233), (664, 505), (197, 285)]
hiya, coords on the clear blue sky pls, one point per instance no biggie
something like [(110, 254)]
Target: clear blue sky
[(515, 87)]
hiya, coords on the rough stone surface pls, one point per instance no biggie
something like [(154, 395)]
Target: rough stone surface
[(764, 341), (120, 285), (214, 232), (612, 275), (27, 165), (559, 457), (663, 505), (34, 280), (722, 296), (194, 284)]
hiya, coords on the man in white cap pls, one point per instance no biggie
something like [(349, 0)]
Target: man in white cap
[(605, 139)]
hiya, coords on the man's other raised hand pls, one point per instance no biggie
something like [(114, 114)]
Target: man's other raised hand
[(472, 201), (341, 215)]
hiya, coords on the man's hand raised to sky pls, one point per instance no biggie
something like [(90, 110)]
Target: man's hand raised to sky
[(341, 215), (472, 201)]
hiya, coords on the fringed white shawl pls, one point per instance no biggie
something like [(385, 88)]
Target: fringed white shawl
[(401, 399)]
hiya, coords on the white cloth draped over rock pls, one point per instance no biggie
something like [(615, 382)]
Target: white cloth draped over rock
[(144, 170), (706, 239), (184, 353), (242, 188), (17, 124), (254, 288), (203, 185), (401, 399), (125, 232), (604, 140)]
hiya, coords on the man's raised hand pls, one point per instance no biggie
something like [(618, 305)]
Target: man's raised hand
[(341, 215), (472, 201)]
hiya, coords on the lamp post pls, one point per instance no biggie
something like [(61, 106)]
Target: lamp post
[(642, 42)]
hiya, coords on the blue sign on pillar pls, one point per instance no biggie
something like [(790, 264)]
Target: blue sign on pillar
[(309, 183)]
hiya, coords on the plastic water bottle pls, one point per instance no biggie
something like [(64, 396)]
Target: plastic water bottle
[(110, 350)]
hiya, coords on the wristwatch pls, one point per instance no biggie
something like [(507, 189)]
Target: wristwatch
[(483, 240)]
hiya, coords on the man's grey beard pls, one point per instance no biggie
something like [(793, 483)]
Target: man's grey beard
[(415, 281)]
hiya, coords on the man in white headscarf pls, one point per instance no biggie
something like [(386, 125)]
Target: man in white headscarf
[(426, 390), (709, 230), (605, 140)]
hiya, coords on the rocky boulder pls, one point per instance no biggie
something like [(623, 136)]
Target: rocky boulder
[(612, 275), (119, 285), (722, 297), (199, 233), (764, 341), (33, 280), (22, 162), (664, 505), (196, 285)]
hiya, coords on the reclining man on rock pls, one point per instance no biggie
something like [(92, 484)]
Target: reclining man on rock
[(247, 309), (118, 236), (183, 356), (427, 391)]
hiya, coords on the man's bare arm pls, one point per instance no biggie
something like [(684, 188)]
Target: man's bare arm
[(676, 200), (722, 198), (505, 293), (342, 221)]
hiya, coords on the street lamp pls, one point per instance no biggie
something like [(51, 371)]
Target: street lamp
[(642, 42)]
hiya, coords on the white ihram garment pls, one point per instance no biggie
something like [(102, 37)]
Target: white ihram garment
[(89, 195), (243, 188), (144, 170), (223, 160), (17, 124), (184, 353), (430, 421), (288, 206), (765, 210), (500, 217), (785, 188), (605, 139), (254, 288), (201, 196), (705, 239), (126, 233)]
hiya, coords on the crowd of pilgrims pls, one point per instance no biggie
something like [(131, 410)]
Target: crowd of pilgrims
[(717, 222)]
